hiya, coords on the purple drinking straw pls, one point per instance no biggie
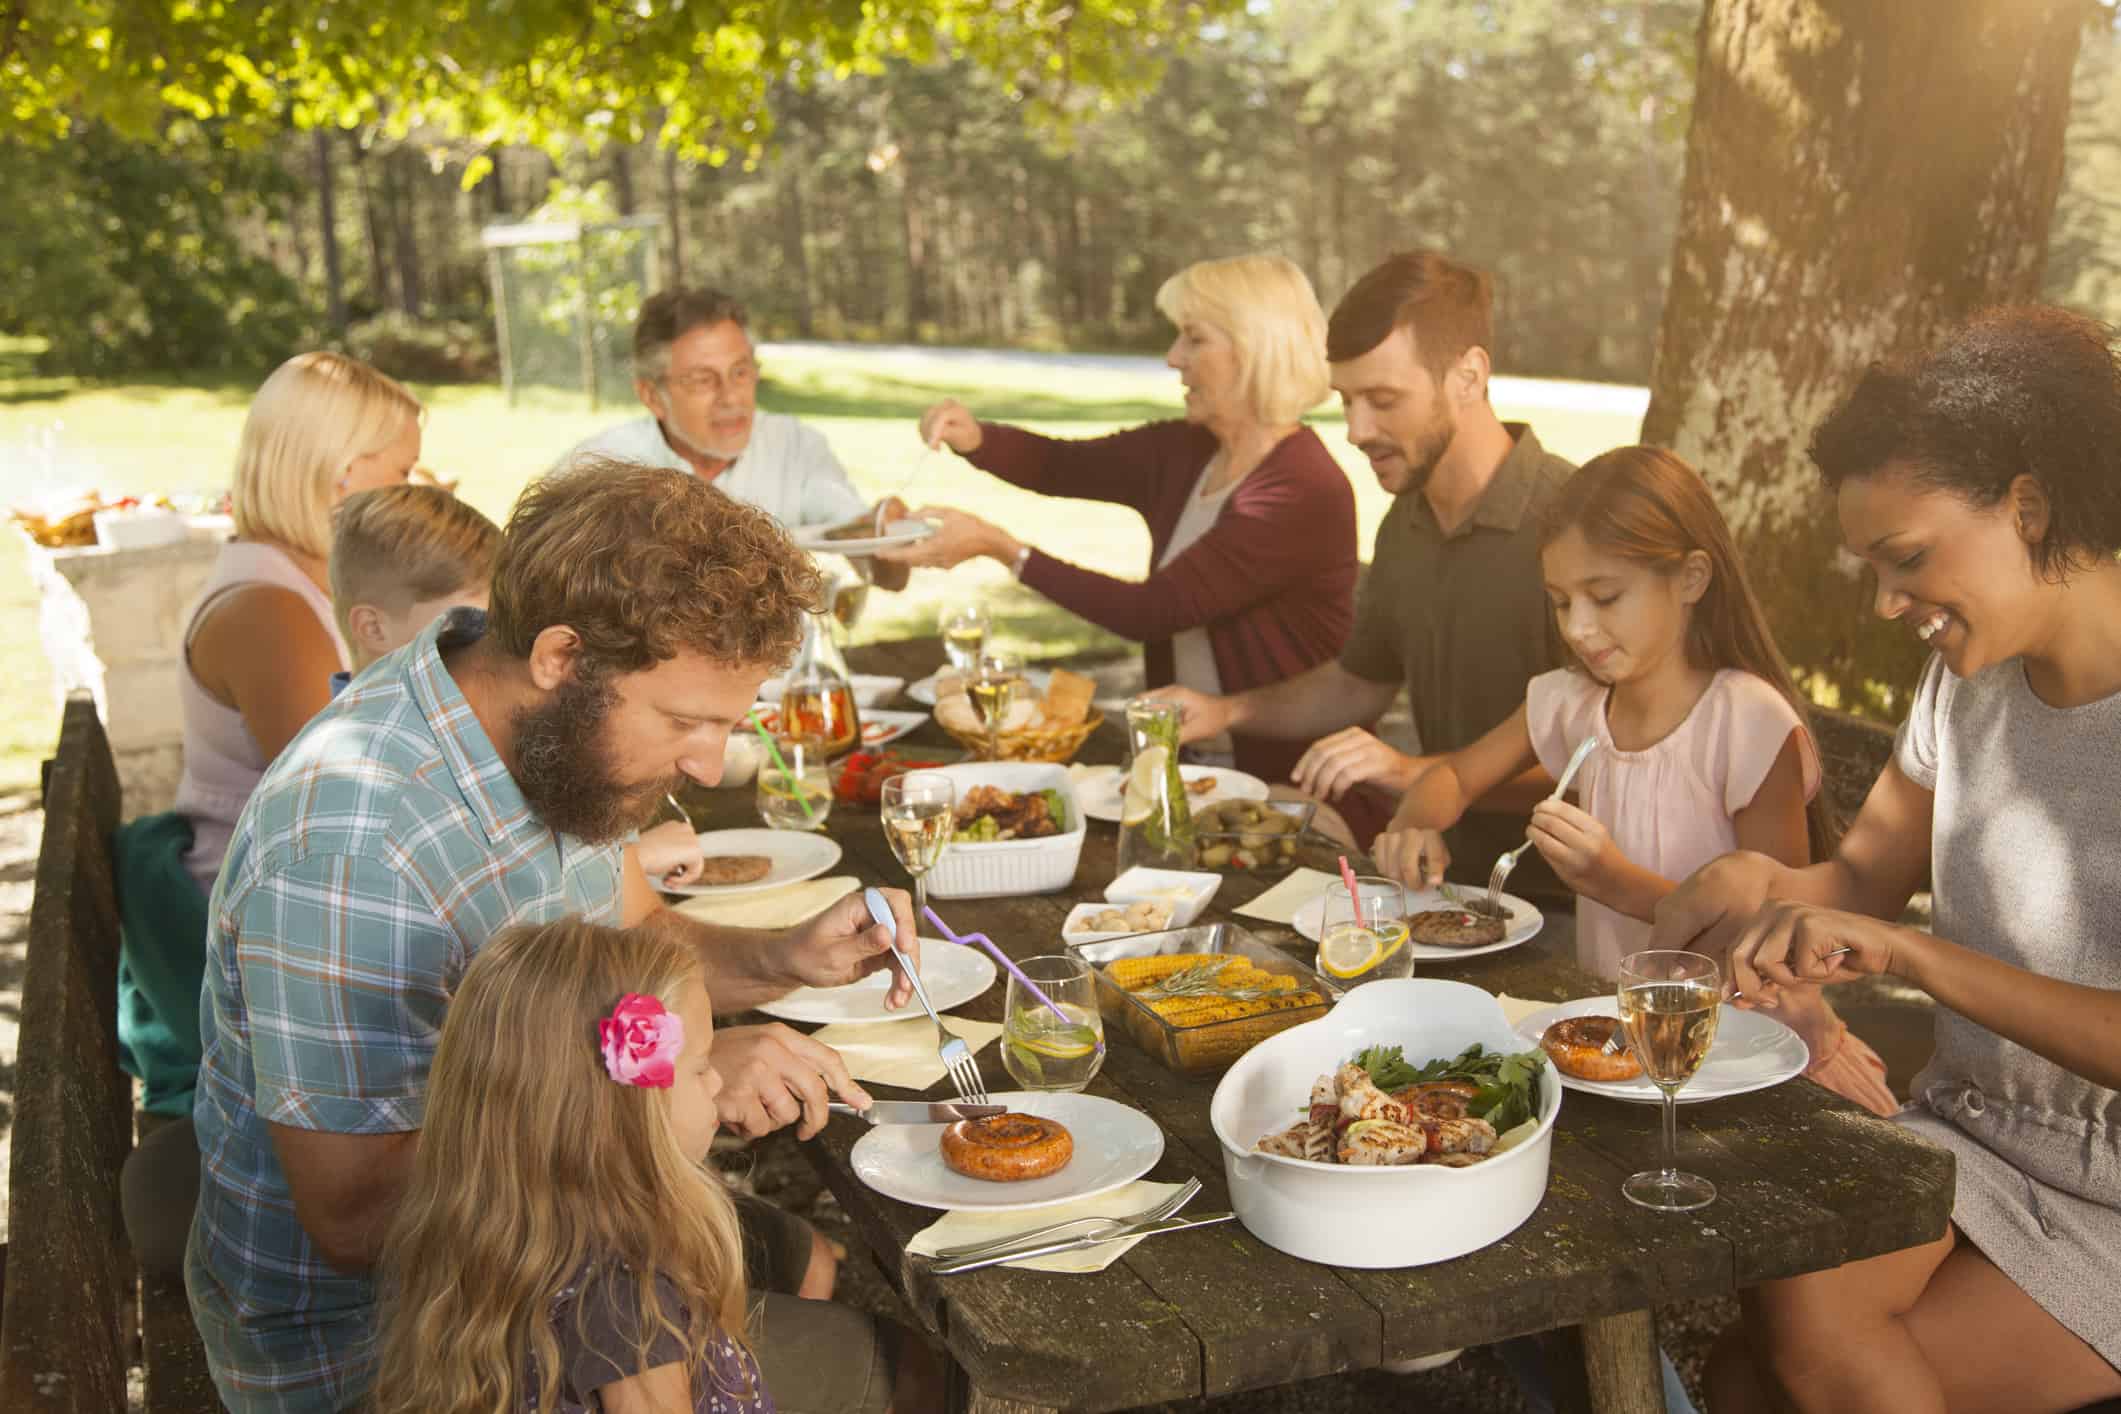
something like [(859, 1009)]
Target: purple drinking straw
[(1001, 957)]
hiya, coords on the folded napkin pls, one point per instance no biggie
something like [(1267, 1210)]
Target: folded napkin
[(958, 1228), (903, 1052), (1516, 1009), (775, 908), (1279, 904)]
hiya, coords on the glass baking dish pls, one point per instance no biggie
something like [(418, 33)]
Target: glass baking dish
[(1199, 1050)]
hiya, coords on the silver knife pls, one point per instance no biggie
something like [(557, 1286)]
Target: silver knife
[(1076, 1244), (918, 1111)]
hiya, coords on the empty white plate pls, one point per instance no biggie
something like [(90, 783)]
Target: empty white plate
[(1114, 1144), (796, 854), (1525, 921), (1752, 1051), (952, 974)]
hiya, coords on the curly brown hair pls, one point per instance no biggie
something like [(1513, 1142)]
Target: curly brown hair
[(645, 563), (2029, 389)]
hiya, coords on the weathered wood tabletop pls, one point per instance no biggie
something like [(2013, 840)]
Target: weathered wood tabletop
[(1804, 1179)]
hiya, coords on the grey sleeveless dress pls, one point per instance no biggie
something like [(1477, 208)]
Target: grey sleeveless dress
[(2026, 853)]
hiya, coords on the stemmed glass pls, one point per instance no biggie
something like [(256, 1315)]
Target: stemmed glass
[(995, 681), (918, 809), (1669, 1005), (964, 629)]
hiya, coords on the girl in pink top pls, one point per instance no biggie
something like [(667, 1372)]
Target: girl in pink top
[(1702, 743)]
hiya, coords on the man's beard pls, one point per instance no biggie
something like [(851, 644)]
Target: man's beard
[(1427, 452), (563, 767)]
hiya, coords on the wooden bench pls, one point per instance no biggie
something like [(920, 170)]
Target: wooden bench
[(74, 1316)]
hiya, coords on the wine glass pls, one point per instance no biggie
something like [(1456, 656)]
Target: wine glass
[(918, 809), (1669, 1004), (992, 689), (964, 629), (1042, 1051), (1354, 946)]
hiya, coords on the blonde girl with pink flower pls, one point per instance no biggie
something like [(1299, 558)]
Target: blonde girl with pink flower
[(561, 1248)]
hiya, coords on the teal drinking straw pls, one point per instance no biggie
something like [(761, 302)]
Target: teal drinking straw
[(802, 797)]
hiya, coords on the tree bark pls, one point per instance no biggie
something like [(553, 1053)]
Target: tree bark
[(379, 270), (795, 247), (402, 173), (674, 215), (1860, 175), (328, 234)]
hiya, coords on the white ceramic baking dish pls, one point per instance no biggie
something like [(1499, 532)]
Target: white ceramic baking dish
[(1010, 866), (1375, 1217)]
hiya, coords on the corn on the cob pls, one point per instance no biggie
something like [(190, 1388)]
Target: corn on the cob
[(1134, 973)]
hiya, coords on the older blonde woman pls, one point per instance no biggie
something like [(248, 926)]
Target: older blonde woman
[(1251, 522)]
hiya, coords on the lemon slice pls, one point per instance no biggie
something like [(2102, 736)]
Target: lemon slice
[(1350, 952), (1139, 801), (1056, 1048)]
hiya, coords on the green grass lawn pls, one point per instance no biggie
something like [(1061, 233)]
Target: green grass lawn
[(178, 436)]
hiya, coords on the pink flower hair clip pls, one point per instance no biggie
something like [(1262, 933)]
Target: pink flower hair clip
[(641, 1040)]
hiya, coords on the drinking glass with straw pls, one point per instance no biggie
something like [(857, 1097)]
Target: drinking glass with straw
[(796, 794), (1362, 930)]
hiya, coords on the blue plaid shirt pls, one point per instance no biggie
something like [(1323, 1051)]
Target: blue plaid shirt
[(381, 850)]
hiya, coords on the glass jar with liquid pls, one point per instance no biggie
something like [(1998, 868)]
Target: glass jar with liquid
[(1155, 823)]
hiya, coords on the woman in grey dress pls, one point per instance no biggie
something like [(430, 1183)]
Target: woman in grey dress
[(1982, 484)]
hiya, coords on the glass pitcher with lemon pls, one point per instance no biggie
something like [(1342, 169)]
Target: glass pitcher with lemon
[(1362, 935), (1155, 823)]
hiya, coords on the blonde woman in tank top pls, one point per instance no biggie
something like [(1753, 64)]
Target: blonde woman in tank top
[(262, 644), (1981, 483)]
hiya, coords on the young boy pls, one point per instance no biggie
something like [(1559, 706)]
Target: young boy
[(403, 556)]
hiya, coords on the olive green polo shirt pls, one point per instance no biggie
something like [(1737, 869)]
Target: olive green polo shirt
[(1463, 621)]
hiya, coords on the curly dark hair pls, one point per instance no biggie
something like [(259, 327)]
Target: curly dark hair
[(2024, 390), (646, 563)]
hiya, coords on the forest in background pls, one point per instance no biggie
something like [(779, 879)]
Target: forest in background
[(929, 202)]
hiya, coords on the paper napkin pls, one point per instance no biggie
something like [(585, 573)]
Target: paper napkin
[(1279, 904), (903, 1052), (775, 908), (958, 1228), (1516, 1009)]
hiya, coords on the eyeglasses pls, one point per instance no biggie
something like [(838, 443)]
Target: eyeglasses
[(742, 376)]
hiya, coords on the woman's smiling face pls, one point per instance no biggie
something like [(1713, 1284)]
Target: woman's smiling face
[(1960, 576)]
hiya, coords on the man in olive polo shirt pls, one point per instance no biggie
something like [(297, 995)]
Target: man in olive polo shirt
[(1454, 606)]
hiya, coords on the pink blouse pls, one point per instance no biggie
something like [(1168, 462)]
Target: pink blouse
[(1670, 809)]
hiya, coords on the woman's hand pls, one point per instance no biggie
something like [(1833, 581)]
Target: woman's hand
[(670, 854), (959, 536), (1791, 944), (1579, 848), (1715, 904), (951, 422)]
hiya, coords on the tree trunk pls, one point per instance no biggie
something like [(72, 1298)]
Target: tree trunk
[(1860, 175), (404, 174), (372, 227), (794, 246), (674, 215), (622, 178), (328, 234)]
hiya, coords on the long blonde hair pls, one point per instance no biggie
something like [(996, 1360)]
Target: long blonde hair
[(313, 418), (533, 1166)]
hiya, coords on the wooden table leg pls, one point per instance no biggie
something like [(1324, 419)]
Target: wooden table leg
[(1607, 1366)]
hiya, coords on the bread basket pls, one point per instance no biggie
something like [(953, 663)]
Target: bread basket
[(1033, 742)]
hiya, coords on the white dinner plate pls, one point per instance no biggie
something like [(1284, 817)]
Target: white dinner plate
[(796, 854), (1752, 1051), (897, 533), (1114, 1144), (953, 976), (880, 725), (923, 691), (1525, 921), (1099, 789)]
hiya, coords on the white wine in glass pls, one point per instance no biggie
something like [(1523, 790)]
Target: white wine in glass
[(918, 810), (1669, 1006), (965, 635), (992, 690)]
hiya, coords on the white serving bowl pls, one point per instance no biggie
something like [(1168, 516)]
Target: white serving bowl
[(1188, 891), (1387, 1216), (1010, 866)]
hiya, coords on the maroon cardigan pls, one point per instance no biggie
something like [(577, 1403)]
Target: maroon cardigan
[(1273, 580)]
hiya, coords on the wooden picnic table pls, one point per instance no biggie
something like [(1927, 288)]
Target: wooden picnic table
[(1805, 1181)]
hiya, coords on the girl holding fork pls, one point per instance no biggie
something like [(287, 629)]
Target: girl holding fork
[(1702, 743)]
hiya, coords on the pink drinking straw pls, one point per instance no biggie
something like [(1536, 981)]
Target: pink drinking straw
[(1347, 876)]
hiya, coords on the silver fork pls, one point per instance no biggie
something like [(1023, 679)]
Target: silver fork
[(1154, 1213), (1508, 860), (956, 1055)]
